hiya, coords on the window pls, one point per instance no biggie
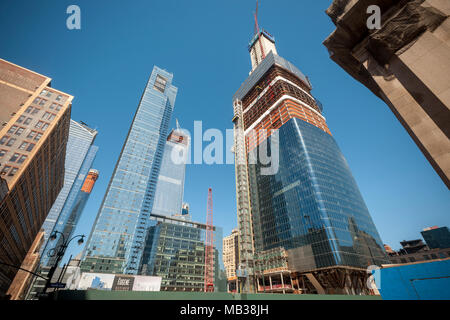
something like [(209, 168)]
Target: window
[(38, 136), (13, 172), (5, 170), (27, 121), (35, 110), (160, 84), (48, 116), (11, 142), (19, 131), (39, 124), (31, 135), (23, 145), (37, 100), (2, 153), (3, 140), (12, 129), (22, 159), (42, 102), (44, 92), (30, 146), (29, 109), (14, 157), (21, 118), (44, 127), (58, 98)]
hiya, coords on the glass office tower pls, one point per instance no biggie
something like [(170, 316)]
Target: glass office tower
[(310, 224), (117, 239), (80, 155)]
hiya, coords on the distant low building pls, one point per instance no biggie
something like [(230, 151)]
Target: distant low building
[(417, 250), (231, 258), (437, 237)]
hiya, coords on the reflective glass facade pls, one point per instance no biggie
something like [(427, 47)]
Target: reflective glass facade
[(312, 206), (170, 186), (121, 225), (437, 237), (176, 252), (80, 155), (71, 213)]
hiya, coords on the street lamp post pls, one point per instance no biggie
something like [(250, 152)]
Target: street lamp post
[(59, 251)]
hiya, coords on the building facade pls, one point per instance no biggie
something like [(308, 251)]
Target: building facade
[(80, 154), (309, 222), (231, 254), (34, 121), (18, 288), (436, 237), (176, 253), (405, 63), (120, 229)]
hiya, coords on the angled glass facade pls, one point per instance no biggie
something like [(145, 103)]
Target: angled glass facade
[(118, 235), (312, 206), (80, 155)]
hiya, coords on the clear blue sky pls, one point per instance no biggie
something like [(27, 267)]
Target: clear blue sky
[(105, 65)]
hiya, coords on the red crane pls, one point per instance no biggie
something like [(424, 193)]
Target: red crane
[(209, 246)]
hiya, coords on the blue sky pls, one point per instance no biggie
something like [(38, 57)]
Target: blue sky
[(106, 64)]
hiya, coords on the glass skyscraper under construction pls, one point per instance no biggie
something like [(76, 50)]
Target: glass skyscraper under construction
[(170, 186), (311, 229), (117, 239)]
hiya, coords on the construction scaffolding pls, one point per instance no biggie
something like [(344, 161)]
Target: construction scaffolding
[(245, 273)]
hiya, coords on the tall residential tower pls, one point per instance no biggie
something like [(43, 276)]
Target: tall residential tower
[(305, 225), (118, 236)]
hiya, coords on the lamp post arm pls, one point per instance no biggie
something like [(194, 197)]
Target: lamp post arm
[(20, 268), (80, 235)]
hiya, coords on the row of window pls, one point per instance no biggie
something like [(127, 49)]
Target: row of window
[(8, 170), (8, 141), (49, 94), (16, 157)]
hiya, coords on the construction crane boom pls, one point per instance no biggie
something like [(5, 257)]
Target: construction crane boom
[(209, 246)]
